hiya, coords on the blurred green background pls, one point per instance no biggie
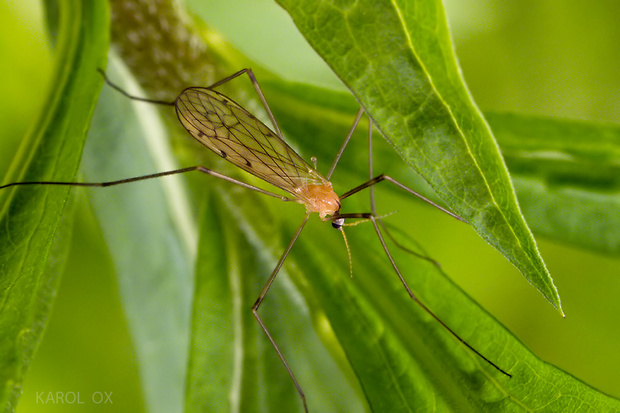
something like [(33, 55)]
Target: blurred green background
[(548, 57)]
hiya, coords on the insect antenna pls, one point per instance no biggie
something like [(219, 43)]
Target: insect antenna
[(346, 243)]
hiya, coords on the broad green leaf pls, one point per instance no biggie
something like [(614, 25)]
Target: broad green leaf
[(567, 177), (151, 236), (31, 215), (232, 366), (396, 57)]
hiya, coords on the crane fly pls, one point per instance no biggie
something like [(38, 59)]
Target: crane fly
[(234, 134)]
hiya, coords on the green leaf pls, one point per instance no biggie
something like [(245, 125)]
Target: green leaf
[(397, 59), (567, 177), (31, 215), (232, 366), (151, 235)]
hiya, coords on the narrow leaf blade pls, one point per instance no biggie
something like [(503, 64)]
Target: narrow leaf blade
[(405, 75), (31, 215)]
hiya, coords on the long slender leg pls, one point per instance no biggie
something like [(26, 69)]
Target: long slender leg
[(227, 79), (373, 206), (132, 97), (370, 184), (372, 181), (153, 176), (376, 222), (402, 247), (424, 307), (247, 71), (260, 299), (213, 86), (345, 143), (384, 177), (259, 92), (371, 217), (273, 275)]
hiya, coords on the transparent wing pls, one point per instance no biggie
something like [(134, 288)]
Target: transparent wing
[(236, 135)]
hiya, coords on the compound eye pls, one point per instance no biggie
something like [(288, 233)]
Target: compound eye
[(338, 223)]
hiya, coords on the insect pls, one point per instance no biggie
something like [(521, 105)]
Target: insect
[(231, 132)]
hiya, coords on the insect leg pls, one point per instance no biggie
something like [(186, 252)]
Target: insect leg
[(364, 217), (371, 217), (374, 219), (370, 174), (373, 206), (372, 181), (132, 97), (104, 184), (384, 177), (345, 143), (260, 299), (424, 307), (259, 92), (227, 79), (153, 176)]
